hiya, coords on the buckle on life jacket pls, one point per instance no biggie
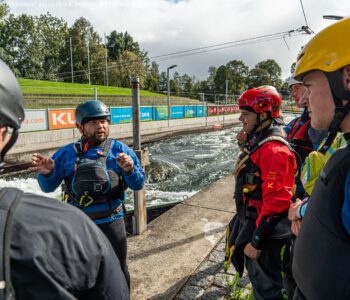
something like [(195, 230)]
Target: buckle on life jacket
[(118, 209), (85, 200)]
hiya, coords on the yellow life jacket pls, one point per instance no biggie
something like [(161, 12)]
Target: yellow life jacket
[(315, 162)]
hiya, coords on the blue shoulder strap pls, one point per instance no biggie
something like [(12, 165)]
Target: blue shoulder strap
[(9, 198)]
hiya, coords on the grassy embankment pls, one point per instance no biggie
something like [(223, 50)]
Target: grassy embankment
[(42, 94)]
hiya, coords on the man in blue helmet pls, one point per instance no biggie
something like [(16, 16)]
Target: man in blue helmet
[(48, 249), (96, 170)]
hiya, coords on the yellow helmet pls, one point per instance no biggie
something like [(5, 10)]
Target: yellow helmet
[(328, 51)]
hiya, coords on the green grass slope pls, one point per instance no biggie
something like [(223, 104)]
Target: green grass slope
[(30, 86)]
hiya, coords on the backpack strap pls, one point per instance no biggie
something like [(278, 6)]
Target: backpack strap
[(9, 198), (106, 148), (78, 147)]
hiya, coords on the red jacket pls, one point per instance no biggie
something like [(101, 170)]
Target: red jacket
[(277, 165)]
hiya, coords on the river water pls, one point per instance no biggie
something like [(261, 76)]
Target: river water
[(180, 166)]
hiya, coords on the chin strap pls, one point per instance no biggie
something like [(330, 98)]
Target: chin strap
[(7, 147), (339, 115), (259, 123)]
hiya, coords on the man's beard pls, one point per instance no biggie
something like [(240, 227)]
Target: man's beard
[(95, 140)]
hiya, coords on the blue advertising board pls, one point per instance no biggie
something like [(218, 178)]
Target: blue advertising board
[(200, 111), (146, 113), (120, 115), (177, 112)]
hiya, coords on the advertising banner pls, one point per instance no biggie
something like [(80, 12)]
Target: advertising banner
[(220, 110), (61, 118), (190, 111), (160, 113), (231, 109), (35, 120), (120, 115), (177, 112), (200, 111), (212, 110), (146, 113)]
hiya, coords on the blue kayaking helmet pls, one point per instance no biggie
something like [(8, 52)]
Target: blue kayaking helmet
[(91, 110)]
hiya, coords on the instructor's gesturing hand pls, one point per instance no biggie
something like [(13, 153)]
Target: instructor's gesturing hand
[(125, 162), (41, 164)]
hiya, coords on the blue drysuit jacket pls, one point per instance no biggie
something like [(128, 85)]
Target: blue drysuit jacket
[(65, 159)]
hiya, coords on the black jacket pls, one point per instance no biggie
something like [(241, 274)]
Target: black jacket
[(321, 259), (58, 253)]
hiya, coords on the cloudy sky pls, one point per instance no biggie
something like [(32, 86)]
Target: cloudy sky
[(163, 27)]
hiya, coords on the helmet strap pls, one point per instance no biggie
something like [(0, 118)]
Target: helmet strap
[(339, 115), (339, 94), (260, 122), (7, 147)]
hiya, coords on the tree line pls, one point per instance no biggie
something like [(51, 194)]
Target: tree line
[(44, 47)]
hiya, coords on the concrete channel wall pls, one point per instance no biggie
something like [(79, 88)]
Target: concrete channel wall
[(163, 258), (47, 142)]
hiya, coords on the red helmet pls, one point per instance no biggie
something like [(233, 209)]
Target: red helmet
[(261, 99)]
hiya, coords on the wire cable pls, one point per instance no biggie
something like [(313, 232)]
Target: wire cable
[(302, 7), (188, 52)]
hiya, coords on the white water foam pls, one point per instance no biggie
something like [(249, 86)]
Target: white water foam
[(29, 185)]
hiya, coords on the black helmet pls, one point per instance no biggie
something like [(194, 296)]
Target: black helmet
[(11, 105), (91, 110), (11, 99)]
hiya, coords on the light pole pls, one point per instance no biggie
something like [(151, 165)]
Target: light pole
[(168, 85), (332, 17), (88, 59), (106, 61), (71, 57)]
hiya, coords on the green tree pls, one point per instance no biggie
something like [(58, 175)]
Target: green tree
[(175, 84), (163, 82), (152, 78), (274, 72), (53, 34), (284, 89), (86, 48), (257, 77), (210, 81), (220, 79), (128, 66), (20, 40), (4, 11), (237, 73), (186, 85), (118, 43)]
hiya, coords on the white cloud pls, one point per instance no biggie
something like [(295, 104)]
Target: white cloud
[(166, 26)]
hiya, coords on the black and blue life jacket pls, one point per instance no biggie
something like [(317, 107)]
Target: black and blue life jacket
[(93, 183)]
